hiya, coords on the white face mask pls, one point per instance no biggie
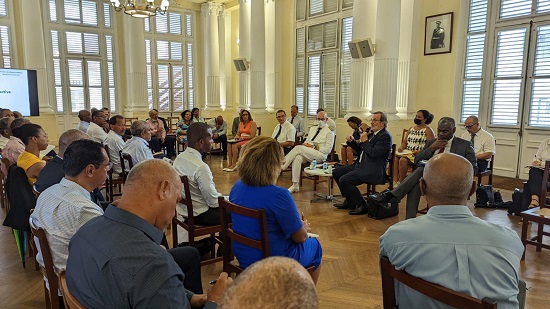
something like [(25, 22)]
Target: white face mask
[(322, 124)]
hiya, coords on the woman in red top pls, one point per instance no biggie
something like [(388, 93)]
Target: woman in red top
[(247, 131)]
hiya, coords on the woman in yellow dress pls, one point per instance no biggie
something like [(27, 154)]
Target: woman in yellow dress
[(35, 140)]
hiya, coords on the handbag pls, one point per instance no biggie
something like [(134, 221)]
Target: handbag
[(484, 196), (382, 211)]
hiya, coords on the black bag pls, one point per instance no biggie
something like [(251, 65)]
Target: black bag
[(484, 196), (517, 199), (498, 197), (383, 211)]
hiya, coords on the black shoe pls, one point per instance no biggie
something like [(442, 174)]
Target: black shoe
[(359, 210), (383, 197), (344, 205)]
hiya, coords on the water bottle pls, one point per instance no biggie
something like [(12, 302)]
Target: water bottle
[(325, 165), (313, 164)]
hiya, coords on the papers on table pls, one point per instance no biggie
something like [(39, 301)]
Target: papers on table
[(311, 235), (231, 140), (545, 212)]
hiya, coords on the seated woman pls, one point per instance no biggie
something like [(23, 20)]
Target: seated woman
[(35, 140), (182, 126), (247, 131), (413, 142), (358, 127), (534, 183), (287, 232)]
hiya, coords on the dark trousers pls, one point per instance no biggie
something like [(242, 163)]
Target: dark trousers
[(223, 140), (169, 143), (347, 178), (411, 188), (534, 183), (482, 165), (210, 217), (189, 260)]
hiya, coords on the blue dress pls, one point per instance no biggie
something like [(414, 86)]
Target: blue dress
[(282, 221)]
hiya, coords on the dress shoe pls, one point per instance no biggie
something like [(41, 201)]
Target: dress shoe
[(344, 205), (359, 210), (231, 169), (293, 188), (383, 197)]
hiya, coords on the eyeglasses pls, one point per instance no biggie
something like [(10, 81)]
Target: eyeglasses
[(320, 119), (470, 126), (375, 120)]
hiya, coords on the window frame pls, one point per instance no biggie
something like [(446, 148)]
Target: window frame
[(8, 21)]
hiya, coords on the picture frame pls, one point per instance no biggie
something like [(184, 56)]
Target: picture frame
[(438, 37)]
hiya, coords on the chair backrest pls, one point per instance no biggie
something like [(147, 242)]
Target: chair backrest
[(126, 164), (389, 174), (434, 291), (186, 200), (128, 121), (172, 123), (68, 298), (229, 235), (545, 185), (332, 153), (48, 269), (405, 131), (259, 130)]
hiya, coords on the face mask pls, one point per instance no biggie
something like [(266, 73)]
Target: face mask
[(322, 124), (417, 121)]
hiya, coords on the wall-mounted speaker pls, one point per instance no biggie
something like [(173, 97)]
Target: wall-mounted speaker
[(361, 48), (241, 64)]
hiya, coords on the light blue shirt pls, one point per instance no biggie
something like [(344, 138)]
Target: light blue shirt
[(221, 131), (138, 149), (83, 126), (452, 248)]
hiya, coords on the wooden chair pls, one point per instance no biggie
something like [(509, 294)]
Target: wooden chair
[(126, 163), (434, 291), (193, 229), (488, 172), (112, 181), (68, 299), (172, 124), (128, 121), (4, 195), (51, 294), (229, 235), (388, 178), (532, 215), (259, 130)]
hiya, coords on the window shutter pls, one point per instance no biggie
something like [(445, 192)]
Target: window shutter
[(515, 8), (89, 13), (91, 43), (76, 84), (163, 74), (322, 36), (190, 76), (314, 84), (107, 14), (177, 79), (110, 72), (147, 25), (176, 51), (300, 67), (318, 7), (161, 23), (72, 11), (175, 23), (508, 76), (94, 84), (57, 72), (53, 10), (300, 9), (6, 46), (347, 4), (74, 42), (3, 8), (345, 67), (543, 6), (329, 78), (163, 53), (539, 115), (188, 25)]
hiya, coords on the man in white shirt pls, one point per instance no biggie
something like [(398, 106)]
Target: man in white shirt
[(317, 146), (138, 146), (114, 141), (5, 132), (284, 132), (219, 133), (95, 130), (85, 118), (482, 142), (297, 121), (330, 123), (201, 182)]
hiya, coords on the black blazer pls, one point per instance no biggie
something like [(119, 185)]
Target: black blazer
[(21, 199), (459, 146), (375, 152)]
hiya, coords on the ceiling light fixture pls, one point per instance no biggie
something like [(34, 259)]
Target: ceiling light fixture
[(141, 8)]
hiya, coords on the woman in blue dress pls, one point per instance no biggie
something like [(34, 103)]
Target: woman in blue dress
[(183, 125), (259, 167)]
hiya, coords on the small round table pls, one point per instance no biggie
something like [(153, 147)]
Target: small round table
[(319, 172)]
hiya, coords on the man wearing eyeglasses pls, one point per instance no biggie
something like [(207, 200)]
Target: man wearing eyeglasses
[(482, 141), (284, 132), (317, 146)]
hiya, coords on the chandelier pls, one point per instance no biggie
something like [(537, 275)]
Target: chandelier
[(141, 8)]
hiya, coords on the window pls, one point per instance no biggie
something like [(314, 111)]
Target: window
[(170, 62), (82, 40), (345, 66), (5, 40)]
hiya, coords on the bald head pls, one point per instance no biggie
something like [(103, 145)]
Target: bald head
[(274, 282), (150, 173), (473, 119), (68, 138), (448, 180), (219, 120), (85, 115)]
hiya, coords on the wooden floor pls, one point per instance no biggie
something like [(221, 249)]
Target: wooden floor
[(350, 274)]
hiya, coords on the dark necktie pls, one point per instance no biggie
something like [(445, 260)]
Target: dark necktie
[(472, 140), (292, 120), (279, 133), (314, 136), (442, 149)]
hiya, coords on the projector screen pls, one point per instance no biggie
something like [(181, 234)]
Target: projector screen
[(19, 91)]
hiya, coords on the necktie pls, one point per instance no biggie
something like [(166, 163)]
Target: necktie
[(472, 140), (314, 136), (292, 120), (442, 150), (279, 132)]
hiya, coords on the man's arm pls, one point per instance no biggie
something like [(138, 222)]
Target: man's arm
[(207, 188), (425, 154), (223, 129), (379, 148), (325, 146), (470, 155), (488, 148), (290, 137)]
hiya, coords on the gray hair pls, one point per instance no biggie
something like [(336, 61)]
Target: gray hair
[(138, 127), (447, 121)]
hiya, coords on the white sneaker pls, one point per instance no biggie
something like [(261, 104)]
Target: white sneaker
[(224, 169), (293, 188)]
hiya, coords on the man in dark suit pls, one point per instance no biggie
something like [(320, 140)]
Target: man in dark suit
[(373, 148), (446, 141)]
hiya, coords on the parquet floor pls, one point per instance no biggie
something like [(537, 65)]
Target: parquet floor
[(350, 274)]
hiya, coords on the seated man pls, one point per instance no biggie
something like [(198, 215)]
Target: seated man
[(159, 133), (85, 118), (446, 141), (330, 123), (297, 121), (256, 287), (317, 146), (96, 130), (482, 141), (14, 147), (116, 261), (138, 146), (63, 208), (219, 133), (115, 142), (284, 132), (5, 132), (374, 149), (451, 247), (201, 182), (235, 125)]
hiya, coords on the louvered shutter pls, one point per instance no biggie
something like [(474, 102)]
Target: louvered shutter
[(163, 75), (329, 82), (314, 85), (300, 67), (318, 7), (94, 84), (515, 8), (345, 67), (5, 46), (322, 36), (178, 87), (300, 9), (188, 25), (347, 4), (539, 115), (3, 8), (57, 71), (76, 84), (190, 76)]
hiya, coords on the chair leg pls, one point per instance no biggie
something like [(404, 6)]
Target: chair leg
[(174, 235)]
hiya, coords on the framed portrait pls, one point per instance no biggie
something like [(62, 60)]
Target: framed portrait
[(438, 34)]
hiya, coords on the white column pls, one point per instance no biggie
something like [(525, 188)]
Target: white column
[(408, 55), (364, 26), (244, 52), (386, 57), (257, 57), (273, 54), (224, 26), (134, 65), (34, 56), (210, 12)]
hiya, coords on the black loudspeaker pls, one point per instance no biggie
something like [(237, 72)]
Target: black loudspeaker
[(361, 48), (241, 64)]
